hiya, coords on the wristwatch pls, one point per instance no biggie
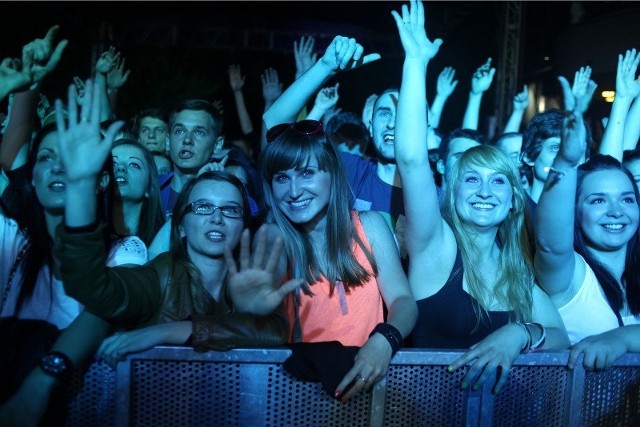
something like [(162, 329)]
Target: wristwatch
[(56, 364)]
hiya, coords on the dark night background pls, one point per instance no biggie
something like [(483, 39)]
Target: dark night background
[(178, 50)]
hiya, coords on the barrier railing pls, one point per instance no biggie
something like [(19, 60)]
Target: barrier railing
[(175, 386)]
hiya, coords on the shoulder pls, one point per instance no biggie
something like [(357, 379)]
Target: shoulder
[(374, 225)]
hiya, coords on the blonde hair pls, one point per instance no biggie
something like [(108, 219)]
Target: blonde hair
[(515, 280)]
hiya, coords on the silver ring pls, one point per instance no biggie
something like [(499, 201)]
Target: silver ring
[(363, 379)]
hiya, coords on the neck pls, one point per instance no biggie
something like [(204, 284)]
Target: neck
[(388, 172), (213, 272), (52, 220), (180, 178), (126, 217), (535, 191), (614, 261)]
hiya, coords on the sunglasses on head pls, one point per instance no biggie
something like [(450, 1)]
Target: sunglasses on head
[(303, 127)]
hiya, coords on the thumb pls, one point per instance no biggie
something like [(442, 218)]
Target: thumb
[(289, 286), (51, 34)]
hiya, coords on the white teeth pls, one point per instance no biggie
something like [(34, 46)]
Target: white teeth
[(482, 205), (389, 138), (300, 203), (214, 235), (57, 185), (120, 179), (613, 226)]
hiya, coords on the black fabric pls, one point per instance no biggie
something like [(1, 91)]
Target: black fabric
[(447, 319), (326, 362), (24, 342)]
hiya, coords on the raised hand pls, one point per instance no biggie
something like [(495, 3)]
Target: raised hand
[(236, 79), (271, 86), (446, 85), (217, 103), (107, 61), (346, 54), (627, 85), (117, 76), (521, 100), (214, 166), (327, 97), (482, 78), (82, 148), (413, 34), (304, 56), (14, 77), (44, 58), (574, 138), (579, 95), (80, 90), (253, 287)]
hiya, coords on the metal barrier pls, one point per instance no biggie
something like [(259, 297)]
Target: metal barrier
[(175, 386)]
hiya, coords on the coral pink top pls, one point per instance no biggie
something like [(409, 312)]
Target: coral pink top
[(347, 317)]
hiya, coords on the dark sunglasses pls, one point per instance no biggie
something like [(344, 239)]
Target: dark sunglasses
[(303, 127)]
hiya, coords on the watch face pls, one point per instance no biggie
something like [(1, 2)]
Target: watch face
[(55, 364)]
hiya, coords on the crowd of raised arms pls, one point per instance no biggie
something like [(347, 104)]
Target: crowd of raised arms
[(373, 228)]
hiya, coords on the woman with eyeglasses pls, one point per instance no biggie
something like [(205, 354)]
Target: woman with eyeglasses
[(180, 296)]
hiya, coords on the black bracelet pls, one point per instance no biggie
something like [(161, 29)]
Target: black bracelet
[(392, 335)]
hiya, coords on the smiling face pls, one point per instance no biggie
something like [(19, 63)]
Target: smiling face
[(383, 125), (302, 194), (193, 140), (483, 197), (207, 235), (48, 178), (131, 172), (607, 210)]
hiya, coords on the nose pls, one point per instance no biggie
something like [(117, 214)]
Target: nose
[(118, 167), (216, 217), (391, 123), (151, 135), (187, 139), (294, 189), (56, 167), (614, 210), (483, 190)]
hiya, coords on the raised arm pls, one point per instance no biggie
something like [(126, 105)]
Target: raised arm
[(271, 90), (326, 99), (578, 97), (627, 88), (236, 81), (520, 103), (632, 126), (39, 59), (342, 54), (425, 231), (444, 88), (555, 214), (105, 64), (480, 83), (117, 77)]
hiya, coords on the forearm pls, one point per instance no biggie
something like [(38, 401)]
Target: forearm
[(632, 126), (411, 117), (129, 294), (239, 330), (106, 112), (472, 112), (403, 314), (514, 122), (556, 339), (612, 139), (243, 114), (316, 113), (19, 129), (286, 108), (437, 106), (113, 101)]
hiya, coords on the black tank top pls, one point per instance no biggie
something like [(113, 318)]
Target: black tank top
[(447, 319)]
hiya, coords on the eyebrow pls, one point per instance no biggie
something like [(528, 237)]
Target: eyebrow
[(45, 149), (130, 157), (625, 193)]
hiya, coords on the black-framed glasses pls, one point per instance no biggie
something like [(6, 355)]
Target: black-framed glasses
[(206, 208), (303, 127)]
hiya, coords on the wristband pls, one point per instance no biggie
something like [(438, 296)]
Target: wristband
[(391, 333)]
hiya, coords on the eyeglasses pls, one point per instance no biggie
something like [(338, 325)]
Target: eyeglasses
[(206, 208), (303, 127)]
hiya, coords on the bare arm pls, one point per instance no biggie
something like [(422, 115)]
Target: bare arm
[(444, 88), (236, 81), (480, 83), (627, 88), (632, 126), (520, 103)]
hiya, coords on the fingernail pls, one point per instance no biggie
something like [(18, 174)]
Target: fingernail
[(463, 386), (450, 369), (475, 387), (496, 391), (337, 393)]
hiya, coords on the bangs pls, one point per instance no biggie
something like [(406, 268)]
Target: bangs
[(293, 152), (488, 157)]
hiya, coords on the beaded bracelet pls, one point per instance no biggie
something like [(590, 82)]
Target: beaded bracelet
[(391, 333)]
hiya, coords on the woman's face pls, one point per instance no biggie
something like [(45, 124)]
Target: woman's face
[(207, 235), (302, 194), (131, 172), (48, 176), (607, 210), (484, 197)]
